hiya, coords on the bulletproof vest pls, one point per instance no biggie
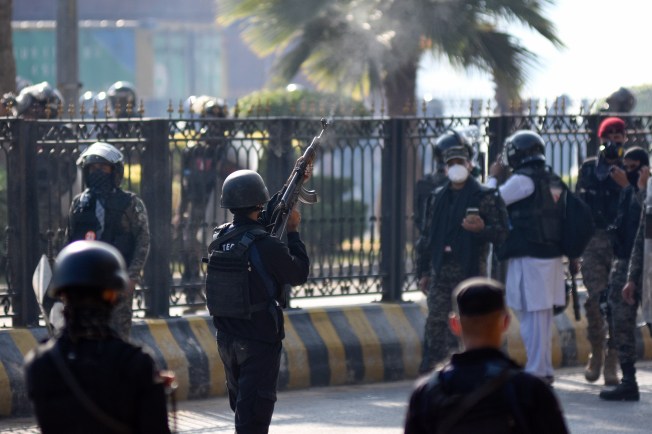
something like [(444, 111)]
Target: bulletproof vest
[(535, 221), (600, 195), (85, 225), (227, 275)]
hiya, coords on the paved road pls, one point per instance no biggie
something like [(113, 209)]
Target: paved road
[(380, 408)]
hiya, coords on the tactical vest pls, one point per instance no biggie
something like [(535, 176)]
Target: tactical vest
[(229, 268), (535, 221), (600, 196), (85, 225)]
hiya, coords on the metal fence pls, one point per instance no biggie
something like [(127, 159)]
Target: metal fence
[(359, 236)]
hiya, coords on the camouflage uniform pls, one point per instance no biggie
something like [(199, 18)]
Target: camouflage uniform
[(622, 316), (602, 196), (133, 221), (596, 265), (438, 340)]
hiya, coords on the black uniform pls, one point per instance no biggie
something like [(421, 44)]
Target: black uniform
[(118, 377), (250, 349), (523, 403)]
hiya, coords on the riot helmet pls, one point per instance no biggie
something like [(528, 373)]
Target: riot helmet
[(122, 97), (209, 106), (88, 266), (523, 147), (450, 139), (86, 103), (243, 189), (103, 153), (35, 101)]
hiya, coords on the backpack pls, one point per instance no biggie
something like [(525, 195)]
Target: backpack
[(227, 275), (577, 225)]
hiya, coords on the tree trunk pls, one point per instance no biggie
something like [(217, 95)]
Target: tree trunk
[(400, 89), (507, 97), (400, 93), (7, 61)]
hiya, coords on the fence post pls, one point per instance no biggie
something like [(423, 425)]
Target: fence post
[(157, 194), (393, 221), (23, 251)]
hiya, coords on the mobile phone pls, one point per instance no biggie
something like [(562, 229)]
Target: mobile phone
[(472, 211)]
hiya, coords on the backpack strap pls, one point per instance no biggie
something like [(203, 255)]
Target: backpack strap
[(228, 232)]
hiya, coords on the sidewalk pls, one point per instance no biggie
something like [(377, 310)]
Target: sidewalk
[(380, 409)]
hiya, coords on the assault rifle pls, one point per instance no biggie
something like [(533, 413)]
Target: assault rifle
[(294, 189)]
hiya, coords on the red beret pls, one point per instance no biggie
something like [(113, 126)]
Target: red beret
[(609, 125)]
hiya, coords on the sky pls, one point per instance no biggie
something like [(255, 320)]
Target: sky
[(607, 46)]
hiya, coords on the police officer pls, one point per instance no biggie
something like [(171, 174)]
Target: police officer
[(481, 390), (431, 181), (107, 213), (88, 379), (244, 298), (463, 218), (600, 182), (54, 172), (122, 97), (203, 162), (622, 313), (535, 273)]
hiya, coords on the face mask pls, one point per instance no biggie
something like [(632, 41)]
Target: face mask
[(613, 150), (99, 182), (632, 177), (458, 173)]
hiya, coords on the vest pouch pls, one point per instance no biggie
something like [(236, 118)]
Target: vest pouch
[(227, 285)]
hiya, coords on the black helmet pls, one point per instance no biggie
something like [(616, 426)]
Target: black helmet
[(243, 189), (523, 147), (88, 265), (122, 95), (451, 139), (35, 100), (100, 152)]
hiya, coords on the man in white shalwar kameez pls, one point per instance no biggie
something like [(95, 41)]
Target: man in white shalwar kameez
[(534, 284)]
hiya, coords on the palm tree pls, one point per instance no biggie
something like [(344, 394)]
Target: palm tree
[(7, 61), (367, 47)]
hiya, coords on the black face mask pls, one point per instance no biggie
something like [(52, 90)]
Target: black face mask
[(633, 176), (99, 182)]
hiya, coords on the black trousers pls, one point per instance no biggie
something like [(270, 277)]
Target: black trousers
[(251, 369)]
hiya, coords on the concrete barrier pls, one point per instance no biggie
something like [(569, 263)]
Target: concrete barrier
[(323, 347)]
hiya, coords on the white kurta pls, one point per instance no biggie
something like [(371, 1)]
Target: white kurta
[(533, 286)]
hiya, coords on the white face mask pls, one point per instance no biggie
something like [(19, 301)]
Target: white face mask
[(458, 173)]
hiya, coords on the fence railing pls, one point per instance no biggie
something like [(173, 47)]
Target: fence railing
[(359, 236)]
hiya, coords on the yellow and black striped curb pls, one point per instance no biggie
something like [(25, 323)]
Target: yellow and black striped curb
[(323, 347)]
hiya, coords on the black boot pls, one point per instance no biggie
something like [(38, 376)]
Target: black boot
[(627, 390)]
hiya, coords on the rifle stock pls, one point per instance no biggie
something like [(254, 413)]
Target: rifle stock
[(294, 189)]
